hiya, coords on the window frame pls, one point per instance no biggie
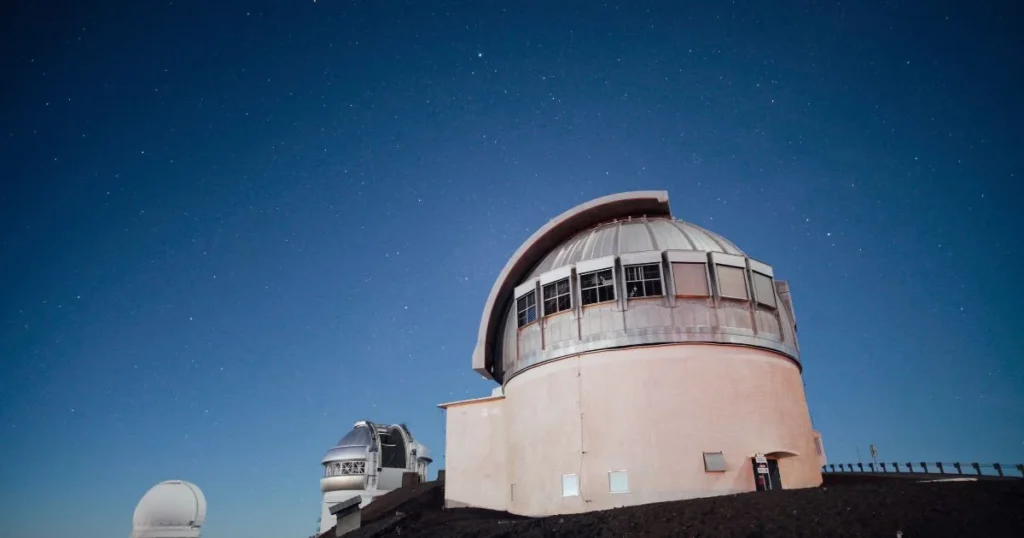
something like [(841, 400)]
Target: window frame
[(574, 477), (707, 280), (535, 307), (718, 287), (557, 296), (771, 286), (626, 281), (597, 288), (707, 467), (624, 473)]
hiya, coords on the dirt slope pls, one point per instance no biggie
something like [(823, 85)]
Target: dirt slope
[(985, 509)]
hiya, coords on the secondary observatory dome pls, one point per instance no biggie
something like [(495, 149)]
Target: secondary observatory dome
[(170, 509)]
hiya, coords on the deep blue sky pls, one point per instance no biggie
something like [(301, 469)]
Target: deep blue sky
[(230, 229)]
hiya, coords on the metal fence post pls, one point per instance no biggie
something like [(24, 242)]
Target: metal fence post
[(977, 468), (1020, 469), (939, 465), (958, 469), (884, 470), (860, 466), (924, 465), (998, 468), (910, 467), (872, 467), (896, 466)]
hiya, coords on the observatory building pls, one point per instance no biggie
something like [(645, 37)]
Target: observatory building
[(369, 461), (170, 509), (640, 359)]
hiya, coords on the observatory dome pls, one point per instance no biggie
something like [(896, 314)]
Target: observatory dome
[(616, 313), (354, 445), (618, 272), (170, 509)]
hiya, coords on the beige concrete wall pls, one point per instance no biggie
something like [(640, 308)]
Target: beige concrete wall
[(475, 448), (652, 411)]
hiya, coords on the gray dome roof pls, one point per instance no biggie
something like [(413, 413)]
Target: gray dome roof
[(353, 446), (633, 235)]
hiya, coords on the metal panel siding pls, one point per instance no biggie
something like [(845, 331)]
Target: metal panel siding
[(529, 341), (700, 240), (640, 258), (767, 325), (634, 237), (762, 268), (589, 266), (727, 259), (560, 330), (555, 275), (735, 316), (647, 313), (687, 257), (524, 288), (605, 242), (599, 320), (509, 342), (697, 315), (725, 245), (668, 236)]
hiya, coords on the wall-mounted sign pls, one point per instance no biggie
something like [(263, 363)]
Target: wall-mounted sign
[(759, 458)]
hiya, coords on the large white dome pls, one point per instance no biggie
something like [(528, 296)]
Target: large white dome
[(170, 509)]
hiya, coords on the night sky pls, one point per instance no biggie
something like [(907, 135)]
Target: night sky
[(231, 229)]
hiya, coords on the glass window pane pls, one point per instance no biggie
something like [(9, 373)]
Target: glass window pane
[(604, 277), (564, 303), (563, 286), (589, 296), (550, 306), (764, 290), (531, 314), (549, 291), (632, 273), (570, 485), (652, 288), (651, 272), (606, 293), (618, 482), (691, 279), (635, 289), (732, 282), (588, 280)]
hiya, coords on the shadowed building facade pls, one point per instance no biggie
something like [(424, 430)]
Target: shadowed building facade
[(640, 359)]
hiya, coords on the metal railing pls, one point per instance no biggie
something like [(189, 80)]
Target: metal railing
[(925, 467)]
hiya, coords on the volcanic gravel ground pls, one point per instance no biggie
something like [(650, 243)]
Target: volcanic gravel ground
[(983, 509)]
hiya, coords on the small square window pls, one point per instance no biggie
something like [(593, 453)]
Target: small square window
[(526, 308), (597, 287), (714, 462), (764, 289), (643, 280), (556, 297), (732, 282), (570, 485), (691, 279), (618, 481)]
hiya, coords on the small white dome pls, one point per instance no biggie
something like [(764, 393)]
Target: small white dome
[(170, 509)]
